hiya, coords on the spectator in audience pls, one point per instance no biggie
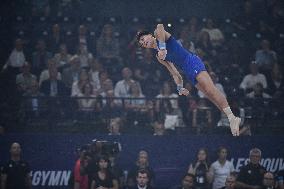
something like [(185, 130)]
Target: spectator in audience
[(111, 107), (16, 172), (122, 87), (34, 103), (216, 35), (53, 86), (55, 39), (82, 36), (142, 180), (106, 86), (141, 163), (133, 104), (230, 182), (193, 28), (251, 175), (78, 85), (265, 57), (103, 77), (16, 58), (276, 82), (34, 89), (268, 181), (24, 80), (159, 127), (70, 74), (204, 43), (40, 57), (84, 56), (147, 73), (108, 45), (187, 182), (103, 177), (185, 41), (188, 104), (81, 181), (166, 92), (116, 169), (114, 126), (250, 80), (205, 110), (62, 58), (167, 112), (87, 101), (280, 179), (95, 69), (44, 75), (258, 92), (220, 169), (200, 169)]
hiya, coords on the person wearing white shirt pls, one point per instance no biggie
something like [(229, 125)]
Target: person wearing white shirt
[(166, 92), (220, 169), (77, 85), (84, 55), (258, 92), (122, 87), (17, 57), (96, 68), (25, 79), (253, 78), (216, 35), (62, 58)]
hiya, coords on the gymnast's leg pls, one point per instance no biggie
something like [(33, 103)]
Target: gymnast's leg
[(206, 85)]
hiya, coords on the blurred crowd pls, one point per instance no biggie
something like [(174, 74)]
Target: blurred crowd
[(97, 168), (98, 64)]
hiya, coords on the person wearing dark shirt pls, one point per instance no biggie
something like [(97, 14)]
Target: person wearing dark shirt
[(268, 181), (187, 182), (53, 86), (280, 179), (141, 163), (142, 180), (230, 182), (16, 172), (200, 169), (103, 177), (251, 175)]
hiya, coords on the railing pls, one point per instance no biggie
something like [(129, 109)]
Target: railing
[(95, 113)]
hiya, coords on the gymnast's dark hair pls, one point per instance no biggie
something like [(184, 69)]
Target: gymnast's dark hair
[(142, 33)]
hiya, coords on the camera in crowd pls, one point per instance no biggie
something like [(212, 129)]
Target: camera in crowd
[(101, 147)]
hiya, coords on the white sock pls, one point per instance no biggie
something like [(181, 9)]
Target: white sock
[(228, 112)]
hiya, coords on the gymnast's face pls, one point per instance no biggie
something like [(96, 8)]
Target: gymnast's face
[(147, 41)]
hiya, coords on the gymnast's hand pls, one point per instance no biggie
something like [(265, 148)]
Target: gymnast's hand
[(162, 53), (183, 91)]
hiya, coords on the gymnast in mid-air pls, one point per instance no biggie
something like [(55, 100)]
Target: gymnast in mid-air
[(171, 54)]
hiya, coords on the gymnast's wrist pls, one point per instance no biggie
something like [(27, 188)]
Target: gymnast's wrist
[(179, 87), (162, 45)]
